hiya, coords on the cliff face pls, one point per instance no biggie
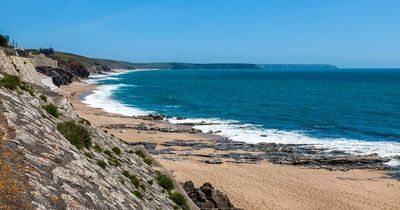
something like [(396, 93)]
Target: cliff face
[(41, 169), (18, 66), (42, 60)]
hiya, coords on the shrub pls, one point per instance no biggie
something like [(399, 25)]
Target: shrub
[(113, 161), (84, 121), (130, 151), (116, 150), (140, 154), (28, 89), (164, 181), (143, 187), (102, 163), (134, 180), (180, 200), (138, 194), (97, 148), (43, 97), (108, 152), (10, 82), (76, 134), (88, 154), (52, 110), (150, 182), (148, 161)]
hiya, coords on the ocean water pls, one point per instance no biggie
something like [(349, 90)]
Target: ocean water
[(352, 110)]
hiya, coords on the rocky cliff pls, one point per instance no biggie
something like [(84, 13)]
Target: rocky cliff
[(44, 166), (22, 67)]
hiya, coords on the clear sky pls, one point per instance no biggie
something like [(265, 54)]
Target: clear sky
[(347, 33)]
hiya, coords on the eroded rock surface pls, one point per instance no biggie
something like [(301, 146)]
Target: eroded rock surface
[(50, 173), (206, 197)]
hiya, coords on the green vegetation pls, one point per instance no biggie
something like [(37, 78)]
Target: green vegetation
[(52, 110), (143, 187), (76, 134), (43, 97), (164, 181), (88, 155), (10, 82), (28, 89), (61, 56), (102, 163), (140, 154), (150, 182), (134, 180), (84, 121), (112, 64), (113, 161), (3, 41), (148, 161), (138, 194), (97, 148), (116, 150), (130, 151), (108, 152), (180, 200)]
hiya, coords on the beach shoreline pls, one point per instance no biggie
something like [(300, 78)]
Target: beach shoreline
[(250, 186)]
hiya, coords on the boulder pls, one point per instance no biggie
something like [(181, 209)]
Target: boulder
[(206, 197)]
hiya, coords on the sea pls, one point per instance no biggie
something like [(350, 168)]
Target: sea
[(352, 110)]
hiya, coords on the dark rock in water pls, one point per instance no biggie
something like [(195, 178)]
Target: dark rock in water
[(153, 117), (213, 161), (206, 197), (59, 76)]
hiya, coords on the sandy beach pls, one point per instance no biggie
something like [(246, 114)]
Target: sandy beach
[(250, 186)]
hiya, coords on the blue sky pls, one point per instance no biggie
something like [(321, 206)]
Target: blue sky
[(348, 33)]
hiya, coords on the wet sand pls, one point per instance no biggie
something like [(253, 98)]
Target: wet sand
[(252, 186)]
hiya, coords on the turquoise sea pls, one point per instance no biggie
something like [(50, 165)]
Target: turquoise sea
[(356, 110)]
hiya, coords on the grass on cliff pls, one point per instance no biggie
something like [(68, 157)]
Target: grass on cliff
[(116, 150), (180, 200), (13, 82), (141, 154), (52, 109), (134, 180), (10, 82), (164, 181), (76, 134), (138, 194)]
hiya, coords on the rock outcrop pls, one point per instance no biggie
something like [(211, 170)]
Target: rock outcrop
[(18, 66), (75, 68), (59, 76), (41, 169), (206, 197)]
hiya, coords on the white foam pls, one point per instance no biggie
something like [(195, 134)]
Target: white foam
[(102, 98), (254, 134)]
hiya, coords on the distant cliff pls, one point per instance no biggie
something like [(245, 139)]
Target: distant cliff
[(174, 65), (298, 66)]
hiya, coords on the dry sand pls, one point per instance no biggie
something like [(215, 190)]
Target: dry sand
[(257, 186)]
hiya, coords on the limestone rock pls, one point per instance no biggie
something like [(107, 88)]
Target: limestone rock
[(50, 173)]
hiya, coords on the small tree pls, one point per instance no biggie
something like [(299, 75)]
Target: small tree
[(3, 41)]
